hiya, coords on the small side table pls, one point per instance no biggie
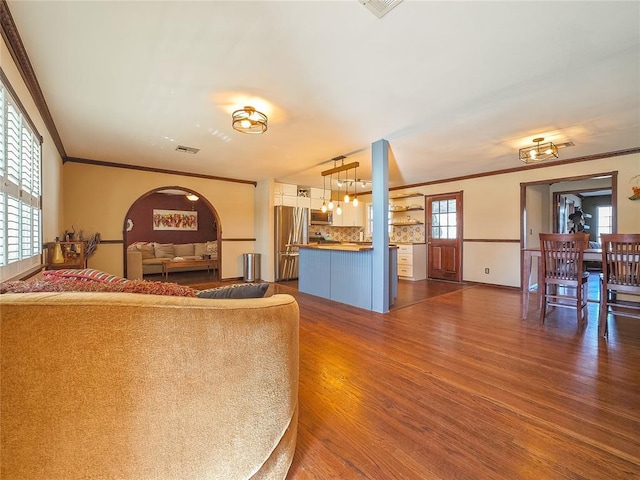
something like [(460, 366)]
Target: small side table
[(73, 255)]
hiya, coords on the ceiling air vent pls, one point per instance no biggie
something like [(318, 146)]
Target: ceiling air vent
[(379, 7), (565, 144), (185, 149)]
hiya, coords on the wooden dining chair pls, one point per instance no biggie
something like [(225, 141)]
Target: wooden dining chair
[(562, 265), (620, 274)]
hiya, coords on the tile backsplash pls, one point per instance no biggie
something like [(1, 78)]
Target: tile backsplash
[(341, 234), (407, 234), (399, 234)]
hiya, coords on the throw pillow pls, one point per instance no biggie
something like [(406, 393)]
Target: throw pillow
[(199, 249), (145, 248), (183, 249), (68, 285), (164, 250), (238, 290), (212, 248), (86, 274)]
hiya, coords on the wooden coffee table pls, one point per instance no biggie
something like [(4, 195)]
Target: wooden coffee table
[(211, 264)]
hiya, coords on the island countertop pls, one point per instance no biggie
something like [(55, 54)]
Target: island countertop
[(351, 247), (344, 272)]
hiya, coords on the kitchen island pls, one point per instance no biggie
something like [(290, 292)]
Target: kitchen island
[(343, 272)]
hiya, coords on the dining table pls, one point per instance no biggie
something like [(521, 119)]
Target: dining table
[(590, 255)]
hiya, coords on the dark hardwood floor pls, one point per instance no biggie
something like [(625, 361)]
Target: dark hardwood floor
[(452, 384), (456, 386)]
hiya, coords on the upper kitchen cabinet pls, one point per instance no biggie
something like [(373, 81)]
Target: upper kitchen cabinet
[(351, 216), (290, 196), (317, 198)]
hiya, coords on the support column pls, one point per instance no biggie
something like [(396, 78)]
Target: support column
[(380, 197)]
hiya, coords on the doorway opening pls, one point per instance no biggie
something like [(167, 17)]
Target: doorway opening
[(196, 220), (547, 205)]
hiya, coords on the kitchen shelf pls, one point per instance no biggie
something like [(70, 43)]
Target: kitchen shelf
[(405, 195), (406, 224), (405, 209)]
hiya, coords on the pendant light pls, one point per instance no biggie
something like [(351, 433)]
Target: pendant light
[(330, 206), (337, 169), (324, 192), (355, 187), (339, 208), (346, 195)]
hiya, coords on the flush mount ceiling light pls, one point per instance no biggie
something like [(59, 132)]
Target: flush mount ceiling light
[(249, 120), (539, 152), (192, 197)]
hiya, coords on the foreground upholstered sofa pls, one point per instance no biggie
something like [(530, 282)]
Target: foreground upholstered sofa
[(132, 386)]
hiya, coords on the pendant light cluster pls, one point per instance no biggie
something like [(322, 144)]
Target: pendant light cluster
[(337, 170)]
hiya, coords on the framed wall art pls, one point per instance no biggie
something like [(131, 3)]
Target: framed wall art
[(175, 220)]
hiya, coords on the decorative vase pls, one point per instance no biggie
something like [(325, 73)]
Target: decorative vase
[(58, 257)]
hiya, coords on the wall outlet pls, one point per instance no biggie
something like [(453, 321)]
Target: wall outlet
[(486, 270)]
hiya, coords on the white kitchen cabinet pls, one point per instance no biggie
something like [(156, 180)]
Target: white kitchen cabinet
[(286, 200), (412, 261), (304, 202), (317, 193), (318, 197), (316, 203), (285, 189), (351, 216), (287, 195)]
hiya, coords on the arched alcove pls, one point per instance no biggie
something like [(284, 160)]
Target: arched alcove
[(139, 226)]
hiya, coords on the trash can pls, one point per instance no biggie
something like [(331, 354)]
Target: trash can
[(251, 267)]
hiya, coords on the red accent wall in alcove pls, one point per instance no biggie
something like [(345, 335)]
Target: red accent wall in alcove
[(142, 216)]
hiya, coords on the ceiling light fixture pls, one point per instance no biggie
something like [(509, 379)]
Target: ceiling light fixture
[(324, 192), (192, 197), (355, 188), (539, 152), (249, 120), (346, 182)]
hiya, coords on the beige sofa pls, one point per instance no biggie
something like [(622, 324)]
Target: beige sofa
[(131, 386), (145, 258)]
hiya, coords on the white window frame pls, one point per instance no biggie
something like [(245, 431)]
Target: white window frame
[(20, 187)]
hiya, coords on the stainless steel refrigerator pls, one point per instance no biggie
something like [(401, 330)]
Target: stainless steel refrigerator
[(291, 228)]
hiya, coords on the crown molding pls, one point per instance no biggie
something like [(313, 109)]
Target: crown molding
[(586, 158), (101, 163)]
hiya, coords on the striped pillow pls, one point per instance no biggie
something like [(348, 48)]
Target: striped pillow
[(86, 274)]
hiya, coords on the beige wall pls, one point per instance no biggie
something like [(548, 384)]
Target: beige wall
[(265, 244), (51, 160), (97, 199), (492, 211)]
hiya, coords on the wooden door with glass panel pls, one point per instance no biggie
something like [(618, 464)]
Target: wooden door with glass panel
[(444, 236)]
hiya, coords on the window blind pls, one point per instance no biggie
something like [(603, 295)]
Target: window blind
[(20, 187)]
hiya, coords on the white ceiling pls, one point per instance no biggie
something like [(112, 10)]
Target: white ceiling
[(455, 87)]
